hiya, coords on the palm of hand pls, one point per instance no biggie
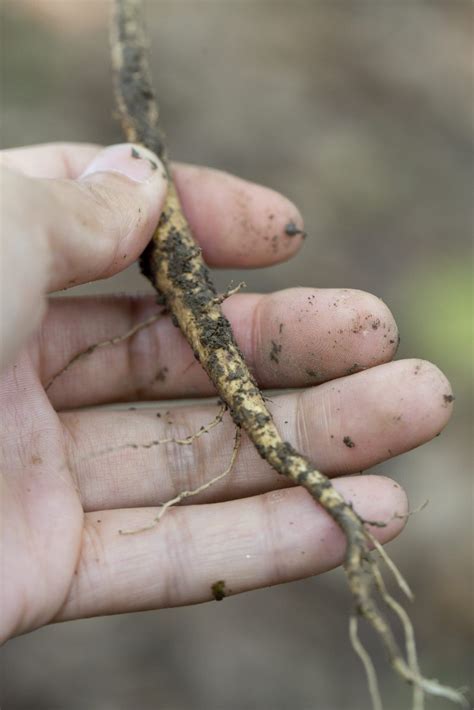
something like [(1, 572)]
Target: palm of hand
[(42, 512)]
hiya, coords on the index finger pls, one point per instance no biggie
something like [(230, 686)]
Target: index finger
[(236, 222)]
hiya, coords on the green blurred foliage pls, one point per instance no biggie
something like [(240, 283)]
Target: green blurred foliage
[(439, 307)]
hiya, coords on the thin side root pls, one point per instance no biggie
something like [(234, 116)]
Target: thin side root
[(407, 670), (361, 571), (104, 343), (410, 644), (423, 685), (367, 663), (399, 578), (186, 441), (396, 516), (187, 494), (221, 297)]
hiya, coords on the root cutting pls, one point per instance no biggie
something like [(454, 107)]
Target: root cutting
[(173, 263)]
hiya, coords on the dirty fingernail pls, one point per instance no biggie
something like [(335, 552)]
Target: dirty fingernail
[(133, 161)]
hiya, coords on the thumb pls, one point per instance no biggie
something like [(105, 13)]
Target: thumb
[(99, 224), (58, 233)]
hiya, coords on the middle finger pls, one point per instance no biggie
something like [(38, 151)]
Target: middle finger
[(291, 338)]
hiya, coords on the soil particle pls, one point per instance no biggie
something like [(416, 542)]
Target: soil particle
[(160, 375), (261, 420), (160, 300), (348, 442), (376, 324), (218, 590), (216, 333), (275, 352), (291, 230), (448, 398), (312, 373)]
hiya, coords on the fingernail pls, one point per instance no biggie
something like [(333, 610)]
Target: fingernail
[(134, 161)]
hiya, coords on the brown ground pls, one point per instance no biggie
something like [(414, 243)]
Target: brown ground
[(361, 112)]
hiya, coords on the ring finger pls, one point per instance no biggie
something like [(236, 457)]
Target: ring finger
[(344, 427)]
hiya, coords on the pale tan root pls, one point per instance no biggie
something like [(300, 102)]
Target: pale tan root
[(410, 644), (104, 343), (187, 494), (173, 262), (221, 297), (399, 578), (185, 441), (421, 684), (369, 667)]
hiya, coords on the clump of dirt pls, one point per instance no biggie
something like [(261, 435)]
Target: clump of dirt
[(219, 591), (292, 230), (275, 352), (161, 375), (354, 368)]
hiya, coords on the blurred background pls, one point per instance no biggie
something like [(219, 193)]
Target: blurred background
[(361, 112)]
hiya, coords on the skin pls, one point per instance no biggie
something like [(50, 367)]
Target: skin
[(62, 507)]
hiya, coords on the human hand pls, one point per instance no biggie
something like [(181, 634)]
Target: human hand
[(62, 556)]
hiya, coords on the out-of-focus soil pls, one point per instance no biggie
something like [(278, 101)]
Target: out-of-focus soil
[(361, 112)]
